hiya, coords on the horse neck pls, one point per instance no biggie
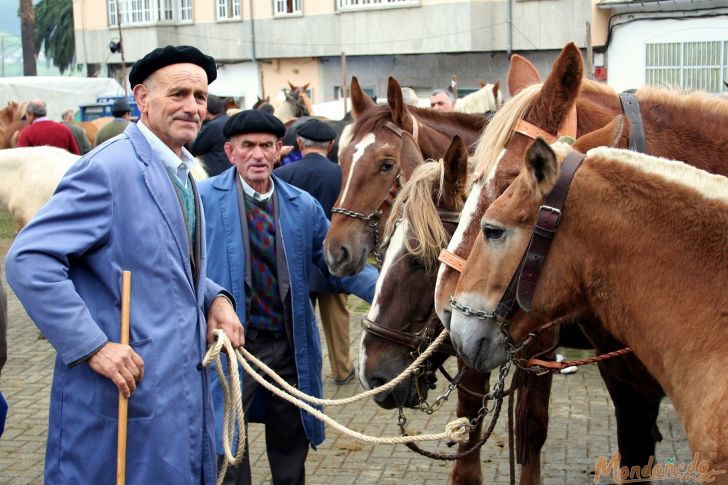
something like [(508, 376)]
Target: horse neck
[(693, 132), (437, 130), (10, 164), (648, 287)]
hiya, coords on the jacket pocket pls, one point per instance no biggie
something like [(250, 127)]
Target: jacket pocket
[(143, 401)]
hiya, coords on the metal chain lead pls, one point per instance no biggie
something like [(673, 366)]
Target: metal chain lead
[(373, 220), (467, 311)]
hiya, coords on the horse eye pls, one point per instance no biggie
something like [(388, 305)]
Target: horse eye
[(416, 264), (387, 165), (492, 233)]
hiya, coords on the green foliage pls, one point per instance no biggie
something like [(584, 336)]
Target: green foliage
[(54, 32)]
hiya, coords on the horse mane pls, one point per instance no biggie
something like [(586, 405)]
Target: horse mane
[(480, 101), (500, 129), (415, 204)]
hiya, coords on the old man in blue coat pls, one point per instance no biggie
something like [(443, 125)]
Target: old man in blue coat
[(130, 204), (263, 237)]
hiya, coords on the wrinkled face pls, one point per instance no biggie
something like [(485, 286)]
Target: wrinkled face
[(381, 360), (440, 102), (254, 154), (173, 103)]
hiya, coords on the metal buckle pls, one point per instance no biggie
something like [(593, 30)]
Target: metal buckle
[(551, 223)]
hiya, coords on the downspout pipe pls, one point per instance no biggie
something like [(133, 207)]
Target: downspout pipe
[(509, 22)]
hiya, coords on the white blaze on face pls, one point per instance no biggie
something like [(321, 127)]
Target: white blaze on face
[(359, 150), (394, 248)]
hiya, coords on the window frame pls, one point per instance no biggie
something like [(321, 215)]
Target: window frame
[(296, 8), (680, 62)]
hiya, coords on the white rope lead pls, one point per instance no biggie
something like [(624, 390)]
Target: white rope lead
[(457, 430)]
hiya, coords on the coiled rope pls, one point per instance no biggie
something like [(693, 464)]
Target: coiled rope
[(233, 416)]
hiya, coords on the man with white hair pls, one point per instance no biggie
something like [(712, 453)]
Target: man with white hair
[(442, 100), (410, 97), (84, 145)]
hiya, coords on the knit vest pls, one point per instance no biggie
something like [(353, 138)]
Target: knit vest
[(266, 307)]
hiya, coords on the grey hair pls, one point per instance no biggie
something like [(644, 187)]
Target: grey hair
[(310, 143), (67, 112), (37, 107), (449, 95), (409, 96)]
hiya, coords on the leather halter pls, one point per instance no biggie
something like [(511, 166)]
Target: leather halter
[(567, 128), (415, 340)]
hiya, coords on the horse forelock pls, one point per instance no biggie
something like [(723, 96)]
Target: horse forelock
[(500, 129), (415, 203), (480, 101)]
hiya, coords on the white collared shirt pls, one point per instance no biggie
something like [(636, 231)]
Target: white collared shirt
[(179, 165), (254, 193)]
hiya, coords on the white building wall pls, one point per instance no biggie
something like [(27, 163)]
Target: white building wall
[(626, 52), (238, 80)]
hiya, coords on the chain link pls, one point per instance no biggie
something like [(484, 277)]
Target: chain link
[(467, 311)]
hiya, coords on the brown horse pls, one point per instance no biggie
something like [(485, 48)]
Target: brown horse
[(397, 329), (638, 238), (379, 158), (674, 125)]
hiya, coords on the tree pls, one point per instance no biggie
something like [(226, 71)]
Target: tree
[(54, 32), (27, 33)]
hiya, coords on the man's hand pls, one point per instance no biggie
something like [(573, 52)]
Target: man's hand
[(222, 315), (120, 364)]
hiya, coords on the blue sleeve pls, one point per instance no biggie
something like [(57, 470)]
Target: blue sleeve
[(76, 220), (361, 284)]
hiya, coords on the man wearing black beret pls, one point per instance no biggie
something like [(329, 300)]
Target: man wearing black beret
[(130, 204), (321, 178), (264, 237)]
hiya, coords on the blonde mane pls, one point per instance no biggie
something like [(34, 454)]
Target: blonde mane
[(480, 101), (415, 204), (500, 129)]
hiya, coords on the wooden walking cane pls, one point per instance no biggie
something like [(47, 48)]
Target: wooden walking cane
[(123, 401)]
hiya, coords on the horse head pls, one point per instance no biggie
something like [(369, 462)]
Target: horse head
[(381, 156), (401, 321)]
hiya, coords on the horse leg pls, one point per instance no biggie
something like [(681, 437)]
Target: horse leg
[(467, 469), (532, 422), (636, 409)]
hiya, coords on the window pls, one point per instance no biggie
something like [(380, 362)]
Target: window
[(286, 7), (368, 4), (368, 91), (146, 11), (688, 65), (228, 9)]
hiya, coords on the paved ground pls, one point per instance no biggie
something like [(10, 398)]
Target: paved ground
[(582, 426)]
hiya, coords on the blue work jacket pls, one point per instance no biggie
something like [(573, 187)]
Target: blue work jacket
[(115, 210), (302, 227)]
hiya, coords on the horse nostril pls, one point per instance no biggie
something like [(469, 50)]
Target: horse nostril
[(344, 256), (377, 382)]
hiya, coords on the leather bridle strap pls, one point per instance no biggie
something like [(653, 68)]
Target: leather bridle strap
[(452, 260), (406, 339), (549, 215), (631, 108)]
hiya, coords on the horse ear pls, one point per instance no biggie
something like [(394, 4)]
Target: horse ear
[(540, 164), (607, 136), (561, 88), (396, 103), (267, 99), (456, 167), (360, 101), (291, 86), (304, 87), (482, 84), (521, 74)]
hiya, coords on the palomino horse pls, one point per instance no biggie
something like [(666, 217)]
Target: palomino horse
[(30, 175), (485, 101), (295, 103), (11, 123), (640, 241), (686, 127), (398, 328), (387, 143)]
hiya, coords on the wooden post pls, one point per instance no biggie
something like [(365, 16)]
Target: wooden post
[(123, 401), (343, 80), (589, 53), (121, 49), (454, 85)]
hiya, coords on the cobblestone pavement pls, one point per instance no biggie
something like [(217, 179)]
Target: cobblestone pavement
[(582, 425)]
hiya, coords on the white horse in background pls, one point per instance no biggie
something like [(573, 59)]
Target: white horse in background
[(487, 99), (30, 175)]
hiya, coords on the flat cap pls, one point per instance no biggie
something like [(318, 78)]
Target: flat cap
[(121, 106), (316, 130), (166, 56), (253, 121)]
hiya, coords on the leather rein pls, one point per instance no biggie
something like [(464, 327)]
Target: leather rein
[(373, 217)]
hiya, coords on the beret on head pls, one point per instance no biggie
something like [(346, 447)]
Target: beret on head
[(253, 121), (166, 56), (121, 105), (316, 130)]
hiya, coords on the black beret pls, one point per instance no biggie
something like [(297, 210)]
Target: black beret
[(166, 56), (121, 106), (253, 121), (316, 130)]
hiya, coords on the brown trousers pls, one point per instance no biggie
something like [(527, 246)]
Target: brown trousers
[(335, 320)]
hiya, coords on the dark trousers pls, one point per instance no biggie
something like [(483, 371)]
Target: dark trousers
[(285, 439)]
